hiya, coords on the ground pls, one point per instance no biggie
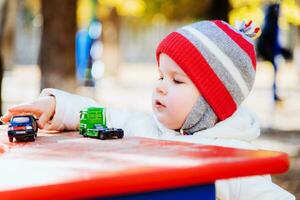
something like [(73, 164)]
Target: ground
[(290, 139)]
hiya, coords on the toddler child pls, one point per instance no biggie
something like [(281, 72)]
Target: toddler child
[(206, 70)]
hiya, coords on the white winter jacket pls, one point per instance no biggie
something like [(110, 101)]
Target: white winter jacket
[(236, 131)]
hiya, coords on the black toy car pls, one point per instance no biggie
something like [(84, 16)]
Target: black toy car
[(108, 133), (22, 128), (105, 133)]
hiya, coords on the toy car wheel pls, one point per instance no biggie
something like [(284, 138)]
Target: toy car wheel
[(101, 136), (121, 134), (11, 139), (84, 134), (32, 138)]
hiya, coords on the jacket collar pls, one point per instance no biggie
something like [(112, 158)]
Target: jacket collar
[(242, 125)]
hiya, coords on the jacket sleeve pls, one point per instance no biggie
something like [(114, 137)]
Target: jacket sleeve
[(249, 188), (67, 109), (67, 112), (133, 123)]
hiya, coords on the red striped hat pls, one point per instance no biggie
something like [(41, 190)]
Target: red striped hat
[(219, 59)]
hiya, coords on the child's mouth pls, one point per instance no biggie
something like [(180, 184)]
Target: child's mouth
[(159, 105)]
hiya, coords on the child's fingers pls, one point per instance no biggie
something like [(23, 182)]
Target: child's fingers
[(5, 118), (43, 119), (25, 108)]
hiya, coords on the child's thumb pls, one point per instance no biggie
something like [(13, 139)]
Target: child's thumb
[(43, 119)]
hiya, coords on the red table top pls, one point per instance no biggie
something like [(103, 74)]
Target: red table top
[(68, 165)]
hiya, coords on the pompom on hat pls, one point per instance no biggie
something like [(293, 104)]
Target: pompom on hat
[(219, 59)]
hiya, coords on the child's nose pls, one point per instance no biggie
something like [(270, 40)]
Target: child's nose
[(161, 90)]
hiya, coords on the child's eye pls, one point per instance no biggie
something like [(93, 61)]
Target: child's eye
[(177, 81), (160, 78)]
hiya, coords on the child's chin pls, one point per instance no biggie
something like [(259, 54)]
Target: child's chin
[(165, 122), (160, 118)]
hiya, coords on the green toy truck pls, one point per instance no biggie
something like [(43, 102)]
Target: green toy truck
[(93, 124)]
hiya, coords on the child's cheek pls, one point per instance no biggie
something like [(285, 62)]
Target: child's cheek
[(177, 109)]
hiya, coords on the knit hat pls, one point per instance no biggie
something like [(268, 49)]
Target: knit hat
[(220, 61)]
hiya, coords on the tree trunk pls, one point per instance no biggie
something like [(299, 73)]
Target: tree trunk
[(111, 43), (3, 14), (9, 34), (57, 51)]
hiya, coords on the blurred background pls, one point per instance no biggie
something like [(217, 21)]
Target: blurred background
[(105, 49)]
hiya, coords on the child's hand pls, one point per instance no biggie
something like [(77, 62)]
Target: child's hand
[(43, 108)]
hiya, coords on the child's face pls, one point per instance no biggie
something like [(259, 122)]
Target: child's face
[(174, 95)]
